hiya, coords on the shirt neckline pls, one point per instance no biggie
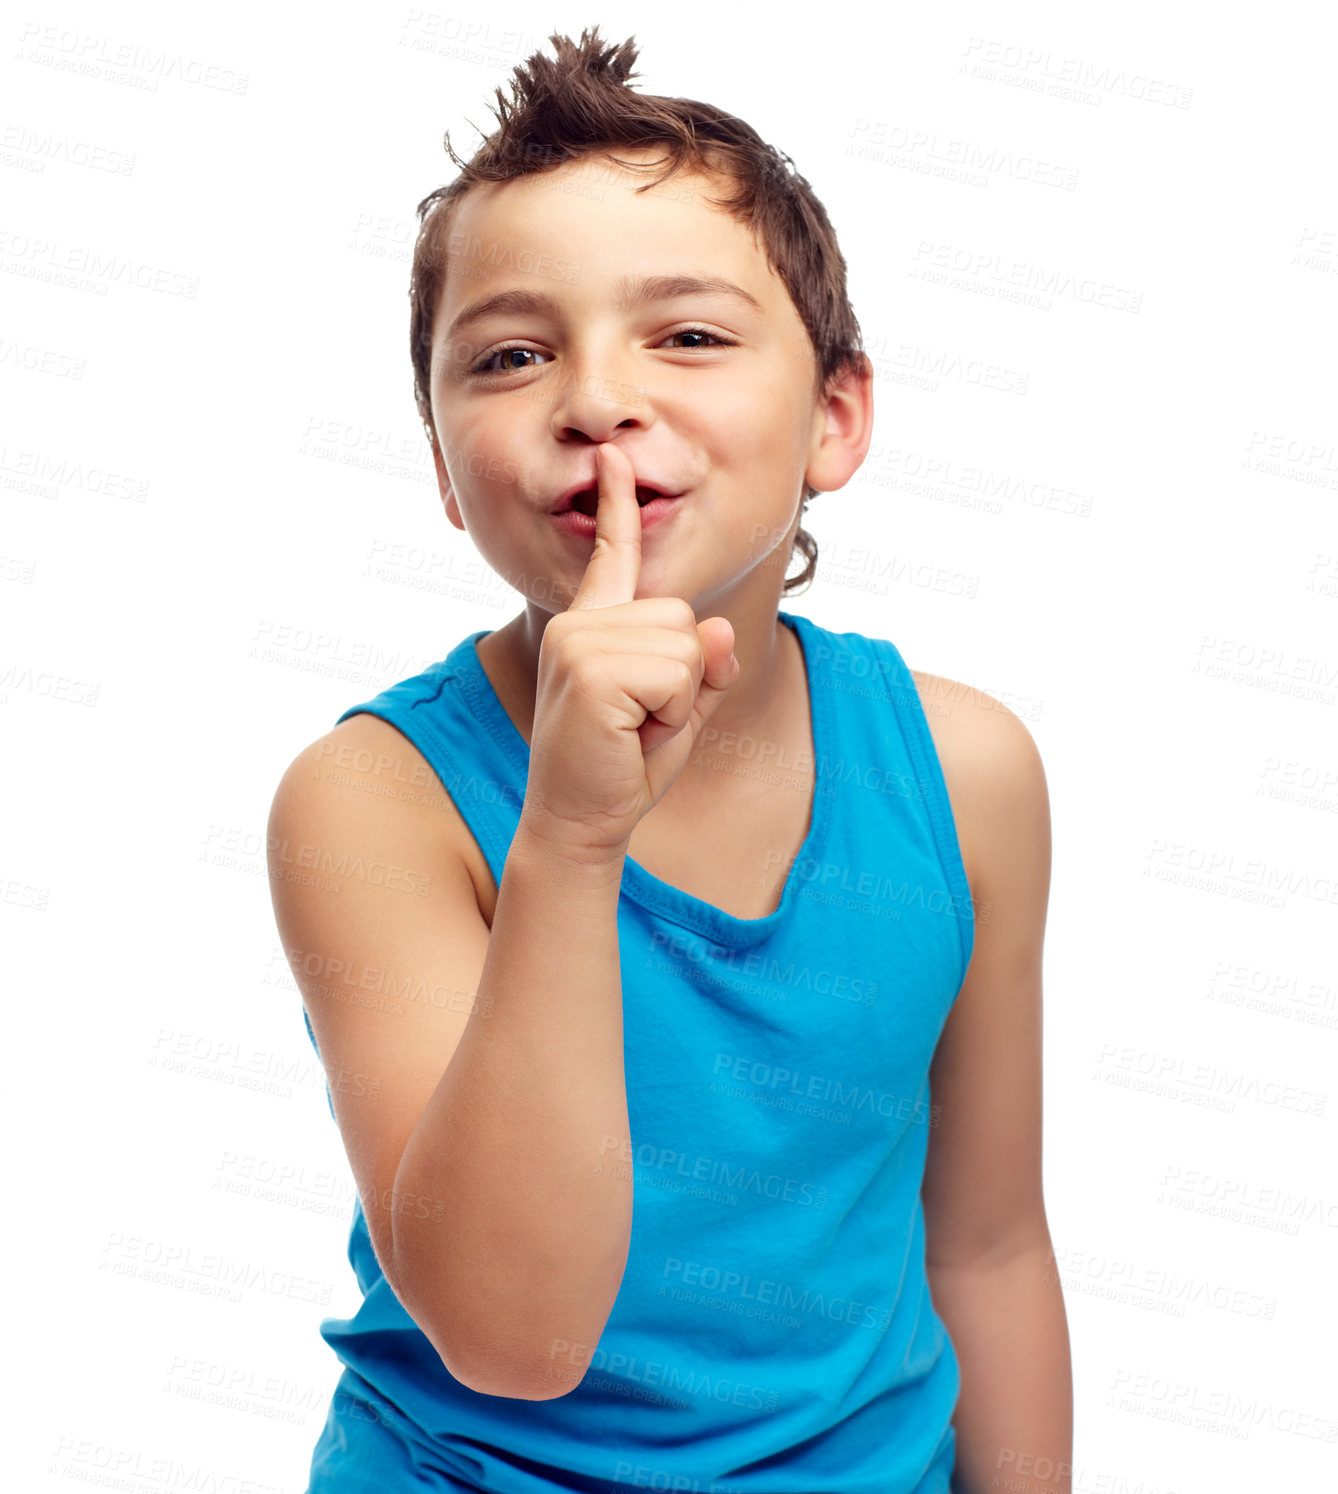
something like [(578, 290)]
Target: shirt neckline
[(643, 887)]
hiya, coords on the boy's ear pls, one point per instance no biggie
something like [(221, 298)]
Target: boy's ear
[(445, 488), (842, 428)]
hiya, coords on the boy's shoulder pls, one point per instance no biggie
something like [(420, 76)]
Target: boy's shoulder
[(990, 762), (963, 711), (365, 783)]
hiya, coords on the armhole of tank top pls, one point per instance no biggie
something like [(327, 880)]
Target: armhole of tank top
[(434, 751), (329, 1098), (919, 741), (418, 730)]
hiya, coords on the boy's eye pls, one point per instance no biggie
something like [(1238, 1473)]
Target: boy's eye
[(702, 332), (486, 368), (505, 353)]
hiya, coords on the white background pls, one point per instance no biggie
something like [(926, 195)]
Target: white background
[(1156, 594)]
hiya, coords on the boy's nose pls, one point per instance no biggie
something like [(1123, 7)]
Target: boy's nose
[(596, 405)]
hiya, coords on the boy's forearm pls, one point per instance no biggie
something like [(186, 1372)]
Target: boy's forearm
[(1014, 1417), (525, 1140)]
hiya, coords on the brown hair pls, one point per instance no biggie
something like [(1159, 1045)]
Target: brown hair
[(578, 104)]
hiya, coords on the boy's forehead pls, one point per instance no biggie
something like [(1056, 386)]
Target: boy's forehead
[(590, 207), (594, 174)]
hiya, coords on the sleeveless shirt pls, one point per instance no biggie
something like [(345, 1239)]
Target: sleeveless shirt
[(774, 1330)]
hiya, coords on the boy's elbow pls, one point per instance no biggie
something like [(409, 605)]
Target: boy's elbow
[(492, 1351), (514, 1390), (509, 1380), (488, 1369)]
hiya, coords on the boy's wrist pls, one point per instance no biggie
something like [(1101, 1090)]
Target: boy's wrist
[(565, 849)]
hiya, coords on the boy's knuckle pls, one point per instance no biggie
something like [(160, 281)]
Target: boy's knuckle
[(684, 616)]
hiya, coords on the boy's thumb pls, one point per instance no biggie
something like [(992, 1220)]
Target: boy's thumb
[(717, 640), (669, 747), (722, 668)]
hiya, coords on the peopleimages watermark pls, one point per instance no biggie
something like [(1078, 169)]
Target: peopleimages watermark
[(471, 258), (748, 1295), (663, 1165), (694, 950), (100, 56), (994, 274), (40, 360), (114, 1466), (83, 268), (791, 1084), (32, 148), (1076, 78), (828, 875), (957, 159)]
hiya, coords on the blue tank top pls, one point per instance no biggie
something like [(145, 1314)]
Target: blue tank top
[(774, 1329)]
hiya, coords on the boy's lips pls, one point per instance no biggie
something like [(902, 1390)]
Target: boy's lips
[(583, 495)]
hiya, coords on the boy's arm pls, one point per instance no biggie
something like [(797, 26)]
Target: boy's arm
[(481, 1095), (988, 1252)]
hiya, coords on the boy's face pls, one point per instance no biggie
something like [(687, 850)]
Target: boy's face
[(735, 429)]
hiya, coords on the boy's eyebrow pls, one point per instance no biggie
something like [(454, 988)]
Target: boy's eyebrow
[(628, 293)]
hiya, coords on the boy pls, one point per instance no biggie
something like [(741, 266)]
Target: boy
[(654, 905)]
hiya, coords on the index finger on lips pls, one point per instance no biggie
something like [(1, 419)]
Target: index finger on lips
[(615, 565)]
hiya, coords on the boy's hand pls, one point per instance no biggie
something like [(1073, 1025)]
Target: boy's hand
[(624, 687)]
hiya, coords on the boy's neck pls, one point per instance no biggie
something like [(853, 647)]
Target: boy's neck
[(769, 655)]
